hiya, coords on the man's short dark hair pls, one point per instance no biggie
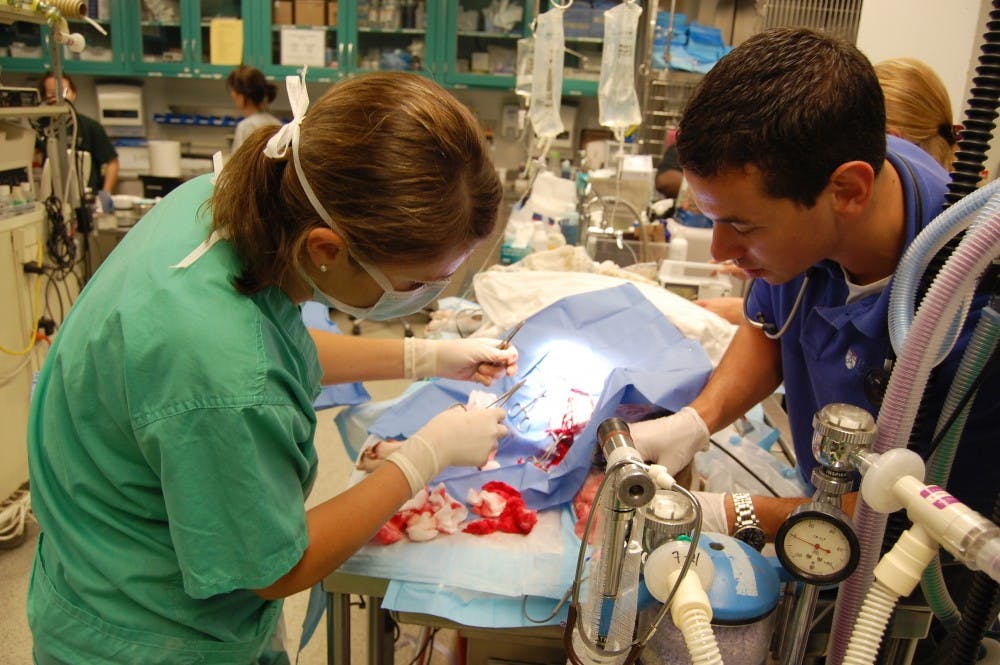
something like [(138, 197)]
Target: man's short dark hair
[(792, 102)]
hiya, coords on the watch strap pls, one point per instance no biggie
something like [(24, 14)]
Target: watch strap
[(745, 514)]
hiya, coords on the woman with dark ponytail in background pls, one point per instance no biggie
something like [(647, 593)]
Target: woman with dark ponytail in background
[(251, 94)]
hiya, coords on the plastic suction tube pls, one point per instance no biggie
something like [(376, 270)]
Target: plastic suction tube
[(698, 635), (902, 400), (981, 347), (906, 281), (870, 627), (896, 576)]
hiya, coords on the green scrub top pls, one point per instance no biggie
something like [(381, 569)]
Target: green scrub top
[(171, 451)]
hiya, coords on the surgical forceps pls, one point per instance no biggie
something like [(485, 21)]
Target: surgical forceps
[(519, 414), (505, 342), (500, 401)]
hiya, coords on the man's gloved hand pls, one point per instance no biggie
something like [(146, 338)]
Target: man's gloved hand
[(107, 203), (476, 359), (671, 441), (713, 512), (455, 437)]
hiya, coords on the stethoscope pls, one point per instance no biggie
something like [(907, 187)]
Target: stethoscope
[(771, 329), (876, 380)]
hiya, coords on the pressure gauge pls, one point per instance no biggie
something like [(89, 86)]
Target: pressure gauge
[(817, 544)]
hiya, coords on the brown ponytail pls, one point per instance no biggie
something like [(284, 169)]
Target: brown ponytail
[(398, 163)]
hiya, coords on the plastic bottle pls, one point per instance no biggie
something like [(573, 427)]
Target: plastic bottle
[(677, 250), (27, 193), (570, 227), (555, 238), (566, 169), (6, 204), (17, 202), (420, 16), (539, 237)]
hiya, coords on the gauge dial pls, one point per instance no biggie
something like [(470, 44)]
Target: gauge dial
[(817, 544)]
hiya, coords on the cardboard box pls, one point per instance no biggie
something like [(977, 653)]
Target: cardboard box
[(282, 12), (310, 12), (331, 12)]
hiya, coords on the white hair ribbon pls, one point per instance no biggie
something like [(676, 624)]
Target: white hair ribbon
[(298, 97)]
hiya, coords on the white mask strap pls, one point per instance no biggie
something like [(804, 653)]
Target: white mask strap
[(288, 137), (199, 251)]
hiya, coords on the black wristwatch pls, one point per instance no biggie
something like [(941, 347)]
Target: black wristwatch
[(747, 526)]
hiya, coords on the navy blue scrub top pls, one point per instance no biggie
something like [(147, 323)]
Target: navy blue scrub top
[(830, 347)]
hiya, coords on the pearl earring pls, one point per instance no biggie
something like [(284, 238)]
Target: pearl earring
[(322, 267)]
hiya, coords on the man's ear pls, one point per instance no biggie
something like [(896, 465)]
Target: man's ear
[(851, 186)]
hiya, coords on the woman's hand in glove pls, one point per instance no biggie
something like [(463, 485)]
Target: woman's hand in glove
[(671, 441), (475, 359), (455, 437)]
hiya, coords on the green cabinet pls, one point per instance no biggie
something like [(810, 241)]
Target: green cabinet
[(363, 37), (106, 50), (481, 50), (171, 38), (24, 47), (479, 53), (456, 42)]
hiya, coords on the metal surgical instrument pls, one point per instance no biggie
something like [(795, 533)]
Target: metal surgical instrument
[(500, 401), (505, 342), (519, 414)]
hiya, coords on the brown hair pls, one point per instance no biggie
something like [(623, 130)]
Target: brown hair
[(51, 75), (251, 83), (917, 107), (398, 163), (793, 102)]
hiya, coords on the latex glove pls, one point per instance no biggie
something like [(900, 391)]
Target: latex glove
[(713, 512), (671, 441), (107, 203), (473, 359), (455, 437)]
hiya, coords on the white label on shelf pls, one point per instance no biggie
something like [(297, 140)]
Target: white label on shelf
[(303, 47)]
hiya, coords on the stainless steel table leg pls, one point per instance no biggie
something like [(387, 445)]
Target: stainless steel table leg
[(381, 647), (338, 628)]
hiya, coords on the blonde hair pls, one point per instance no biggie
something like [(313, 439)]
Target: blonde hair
[(399, 164), (917, 107)]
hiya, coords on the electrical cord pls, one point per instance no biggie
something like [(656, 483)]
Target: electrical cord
[(745, 467), (14, 514), (60, 244), (426, 648), (36, 313), (970, 393), (14, 373)]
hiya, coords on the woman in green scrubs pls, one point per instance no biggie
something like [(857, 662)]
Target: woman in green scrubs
[(171, 432)]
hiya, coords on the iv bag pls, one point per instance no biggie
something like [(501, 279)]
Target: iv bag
[(525, 65), (618, 103), (547, 74)]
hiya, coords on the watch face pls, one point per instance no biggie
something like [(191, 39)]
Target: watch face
[(817, 547), (752, 536)]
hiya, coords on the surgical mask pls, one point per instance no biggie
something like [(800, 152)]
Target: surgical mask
[(392, 303)]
